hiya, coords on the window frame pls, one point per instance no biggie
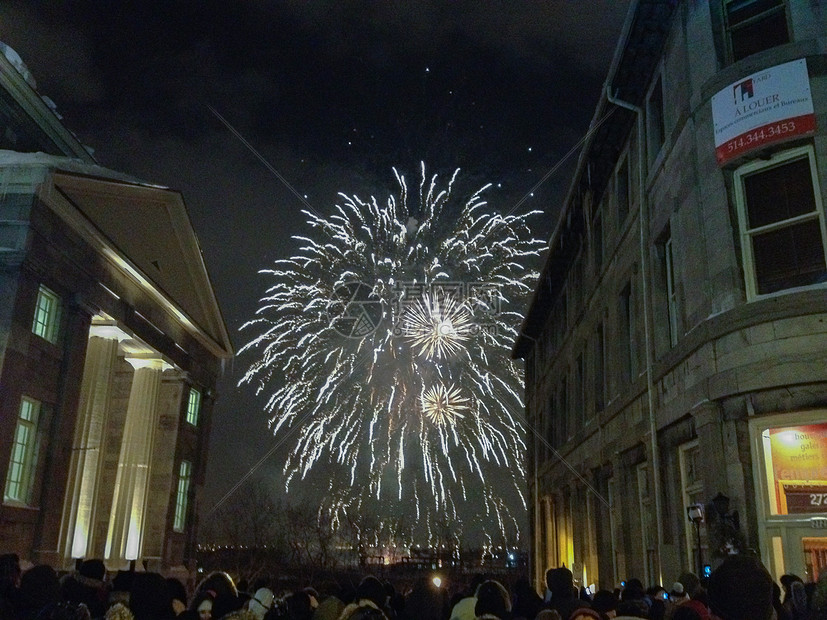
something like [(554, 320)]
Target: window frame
[(750, 21), (579, 380), (598, 243), (626, 341), (182, 496), (550, 426), (747, 254), (600, 387), (25, 467), (193, 412), (671, 290), (623, 163), (46, 321), (653, 147)]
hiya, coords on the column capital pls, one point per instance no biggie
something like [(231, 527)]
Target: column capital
[(109, 332), (153, 363)]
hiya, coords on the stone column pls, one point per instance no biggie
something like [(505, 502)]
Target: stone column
[(131, 483), (89, 441), (708, 428)]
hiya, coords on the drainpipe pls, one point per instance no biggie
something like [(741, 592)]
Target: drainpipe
[(643, 218)]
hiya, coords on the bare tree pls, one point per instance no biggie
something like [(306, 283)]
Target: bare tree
[(247, 531)]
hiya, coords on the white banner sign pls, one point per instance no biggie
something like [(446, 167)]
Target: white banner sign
[(770, 105)]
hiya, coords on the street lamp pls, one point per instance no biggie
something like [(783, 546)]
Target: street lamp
[(695, 513)]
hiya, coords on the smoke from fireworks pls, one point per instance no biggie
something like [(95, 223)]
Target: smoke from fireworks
[(384, 344)]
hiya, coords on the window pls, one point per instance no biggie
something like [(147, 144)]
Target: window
[(755, 25), (563, 411), (656, 129), (795, 464), (597, 237), (193, 406), (20, 476), (783, 235), (576, 284), (182, 496), (622, 189), (627, 356), (551, 421), (671, 294), (579, 393), (599, 369), (561, 320), (47, 315)]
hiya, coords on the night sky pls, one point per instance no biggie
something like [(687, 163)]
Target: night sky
[(332, 94)]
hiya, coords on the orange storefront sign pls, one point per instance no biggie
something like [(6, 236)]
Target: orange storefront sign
[(799, 468)]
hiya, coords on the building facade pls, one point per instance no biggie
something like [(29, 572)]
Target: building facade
[(676, 343), (111, 343)]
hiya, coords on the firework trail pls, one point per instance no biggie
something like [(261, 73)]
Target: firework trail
[(387, 341)]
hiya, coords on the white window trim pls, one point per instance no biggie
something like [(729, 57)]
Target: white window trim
[(182, 496), (193, 411), (745, 234), (760, 475), (26, 481), (52, 323)]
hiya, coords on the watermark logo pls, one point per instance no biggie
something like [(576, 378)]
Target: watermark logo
[(354, 310), (444, 312)]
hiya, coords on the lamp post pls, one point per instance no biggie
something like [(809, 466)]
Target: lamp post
[(695, 513)]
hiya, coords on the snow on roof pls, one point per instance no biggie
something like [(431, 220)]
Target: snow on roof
[(69, 164), (17, 62)]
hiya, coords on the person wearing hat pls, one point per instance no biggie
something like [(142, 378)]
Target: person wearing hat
[(678, 594), (740, 589)]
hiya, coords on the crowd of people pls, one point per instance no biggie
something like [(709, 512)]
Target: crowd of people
[(739, 589)]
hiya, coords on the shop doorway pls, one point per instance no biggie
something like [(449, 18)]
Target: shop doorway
[(798, 549), (791, 476), (815, 556)]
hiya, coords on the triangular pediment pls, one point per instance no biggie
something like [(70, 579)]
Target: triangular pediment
[(150, 228)]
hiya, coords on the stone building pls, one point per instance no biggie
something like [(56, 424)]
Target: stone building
[(676, 343), (111, 343)]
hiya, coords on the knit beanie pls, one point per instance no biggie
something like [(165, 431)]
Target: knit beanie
[(93, 569)]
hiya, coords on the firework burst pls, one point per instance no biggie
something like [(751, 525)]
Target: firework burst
[(437, 329), (384, 346), (442, 405)]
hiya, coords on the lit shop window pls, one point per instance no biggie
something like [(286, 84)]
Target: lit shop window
[(193, 406), (20, 475), (47, 315), (182, 495), (796, 465), (782, 223)]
